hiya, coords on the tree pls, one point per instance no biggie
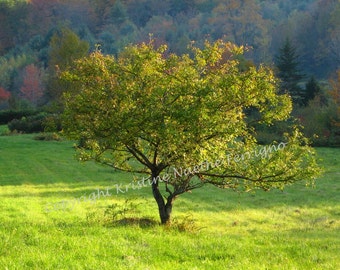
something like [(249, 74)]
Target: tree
[(182, 120), (288, 71), (118, 13), (4, 95), (65, 47), (335, 94), (179, 6), (312, 90), (32, 88), (242, 23)]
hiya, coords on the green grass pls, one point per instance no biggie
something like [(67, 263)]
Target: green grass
[(213, 229)]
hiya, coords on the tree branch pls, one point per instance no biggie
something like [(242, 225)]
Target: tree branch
[(140, 156)]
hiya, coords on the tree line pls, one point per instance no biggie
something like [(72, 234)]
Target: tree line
[(39, 38)]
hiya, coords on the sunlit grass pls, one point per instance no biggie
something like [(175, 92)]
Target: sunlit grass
[(296, 228)]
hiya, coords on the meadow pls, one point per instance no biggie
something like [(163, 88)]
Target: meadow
[(297, 228)]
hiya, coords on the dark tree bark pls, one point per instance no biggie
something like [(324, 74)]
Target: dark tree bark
[(164, 209)]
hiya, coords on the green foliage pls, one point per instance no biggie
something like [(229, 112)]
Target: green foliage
[(29, 124), (115, 211), (317, 119), (118, 14), (266, 135), (52, 123), (313, 89), (10, 67), (8, 115), (167, 112), (47, 137), (335, 96), (287, 64), (4, 131), (65, 47)]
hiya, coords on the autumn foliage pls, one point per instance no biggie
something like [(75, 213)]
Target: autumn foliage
[(32, 88), (4, 95)]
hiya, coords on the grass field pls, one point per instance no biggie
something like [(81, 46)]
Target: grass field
[(213, 229)]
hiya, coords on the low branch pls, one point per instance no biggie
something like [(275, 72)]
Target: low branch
[(264, 179)]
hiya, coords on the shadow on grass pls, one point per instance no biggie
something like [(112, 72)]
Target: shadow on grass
[(134, 221), (187, 224)]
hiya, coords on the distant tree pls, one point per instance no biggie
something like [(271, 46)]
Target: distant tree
[(140, 12), (312, 90), (118, 13), (13, 29), (4, 95), (161, 28), (180, 6), (65, 47), (182, 121), (102, 12), (42, 15), (32, 88), (9, 70), (107, 42), (289, 72), (5, 30), (241, 22), (335, 94)]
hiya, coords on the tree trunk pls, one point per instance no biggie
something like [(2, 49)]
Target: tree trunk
[(164, 209)]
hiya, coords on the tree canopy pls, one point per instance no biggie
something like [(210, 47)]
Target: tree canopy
[(183, 120)]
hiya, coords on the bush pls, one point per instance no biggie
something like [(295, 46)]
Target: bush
[(47, 137), (52, 123), (30, 124), (317, 122), (4, 131), (9, 115)]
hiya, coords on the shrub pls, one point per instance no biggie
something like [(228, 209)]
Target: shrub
[(4, 131), (47, 137), (52, 123), (317, 122), (9, 115), (30, 124)]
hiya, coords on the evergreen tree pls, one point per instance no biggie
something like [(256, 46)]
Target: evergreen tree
[(312, 90), (118, 13), (289, 72)]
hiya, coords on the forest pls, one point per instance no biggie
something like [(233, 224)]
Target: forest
[(300, 40)]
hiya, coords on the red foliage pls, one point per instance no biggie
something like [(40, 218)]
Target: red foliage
[(4, 95), (32, 89)]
